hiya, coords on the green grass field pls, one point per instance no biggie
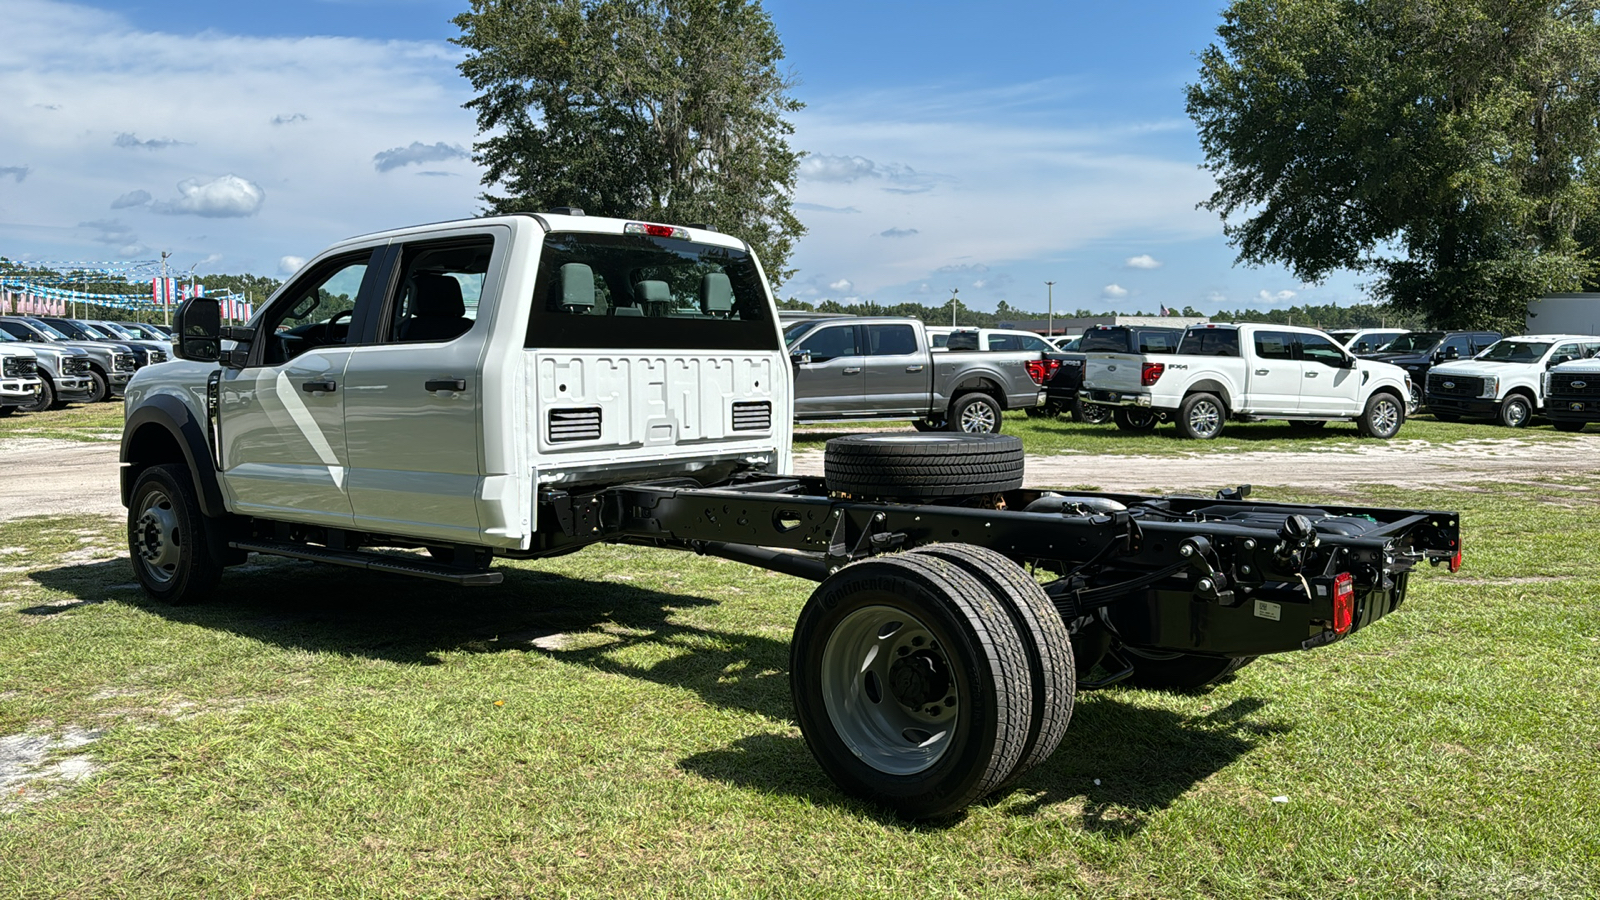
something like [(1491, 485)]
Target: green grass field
[(617, 724)]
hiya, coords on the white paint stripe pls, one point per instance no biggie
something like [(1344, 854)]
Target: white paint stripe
[(296, 408)]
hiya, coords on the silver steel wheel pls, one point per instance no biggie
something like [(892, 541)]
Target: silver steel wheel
[(978, 418), (157, 541), (1205, 419), (1514, 412), (890, 690)]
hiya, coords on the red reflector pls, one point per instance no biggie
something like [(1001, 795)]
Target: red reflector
[(1344, 602), (1455, 562), (1151, 373)]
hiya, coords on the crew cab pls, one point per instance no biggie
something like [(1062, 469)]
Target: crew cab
[(881, 368), (61, 374), (1419, 351), (529, 385), (1506, 381), (1247, 373)]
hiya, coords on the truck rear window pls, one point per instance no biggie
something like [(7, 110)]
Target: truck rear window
[(635, 291), (1105, 340)]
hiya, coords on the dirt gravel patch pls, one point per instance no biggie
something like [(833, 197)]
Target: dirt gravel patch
[(45, 477)]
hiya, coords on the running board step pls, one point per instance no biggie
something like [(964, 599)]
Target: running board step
[(372, 562)]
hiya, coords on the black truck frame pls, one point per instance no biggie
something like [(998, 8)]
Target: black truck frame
[(957, 613)]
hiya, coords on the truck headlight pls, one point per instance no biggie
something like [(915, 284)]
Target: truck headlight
[(1491, 387)]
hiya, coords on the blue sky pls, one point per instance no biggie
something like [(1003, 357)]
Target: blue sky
[(986, 147)]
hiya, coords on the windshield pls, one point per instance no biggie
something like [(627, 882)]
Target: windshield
[(1415, 342), (1515, 351), (48, 331), (117, 330), (798, 330), (99, 331)]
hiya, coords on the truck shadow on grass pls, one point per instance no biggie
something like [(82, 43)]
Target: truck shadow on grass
[(1120, 764), (1144, 757)]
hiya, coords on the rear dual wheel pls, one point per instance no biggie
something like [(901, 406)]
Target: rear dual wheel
[(925, 680)]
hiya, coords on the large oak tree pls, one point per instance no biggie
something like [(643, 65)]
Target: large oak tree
[(1448, 147), (668, 110)]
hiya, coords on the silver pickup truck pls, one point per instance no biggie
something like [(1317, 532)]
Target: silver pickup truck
[(850, 369)]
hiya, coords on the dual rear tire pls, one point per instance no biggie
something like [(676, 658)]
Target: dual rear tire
[(924, 681)]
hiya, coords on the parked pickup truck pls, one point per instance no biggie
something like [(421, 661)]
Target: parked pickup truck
[(19, 379), (1246, 373), (525, 386), (882, 368), (61, 372), (1061, 391), (1418, 351), (1572, 394), (1505, 382)]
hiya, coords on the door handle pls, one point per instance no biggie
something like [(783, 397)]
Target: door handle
[(853, 370), (315, 387), (446, 384), (913, 368), (1311, 374), (1262, 371)]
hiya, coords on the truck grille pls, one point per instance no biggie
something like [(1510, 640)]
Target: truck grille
[(752, 416), (75, 365), (1574, 384), (1454, 385), (20, 367), (574, 425)]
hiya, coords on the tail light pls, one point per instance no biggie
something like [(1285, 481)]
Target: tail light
[(1344, 602), (1040, 370), (1455, 562), (1151, 373)]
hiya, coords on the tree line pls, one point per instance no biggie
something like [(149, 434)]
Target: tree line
[(1326, 316)]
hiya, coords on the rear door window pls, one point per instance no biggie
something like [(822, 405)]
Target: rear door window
[(890, 340), (1157, 342), (1210, 342), (1274, 345)]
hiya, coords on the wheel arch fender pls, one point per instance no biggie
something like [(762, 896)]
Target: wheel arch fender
[(1211, 386), (163, 429), (1528, 393), (978, 383)]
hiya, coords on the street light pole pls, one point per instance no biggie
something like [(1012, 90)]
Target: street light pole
[(1050, 305), (953, 304), (166, 301)]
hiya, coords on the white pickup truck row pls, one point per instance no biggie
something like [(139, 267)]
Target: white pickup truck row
[(1225, 373)]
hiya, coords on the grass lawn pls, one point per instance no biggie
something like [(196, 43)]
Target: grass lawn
[(1062, 435), (617, 723), (79, 422)]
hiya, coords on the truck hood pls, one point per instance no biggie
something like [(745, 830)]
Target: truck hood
[(1380, 369), (1579, 366), (1480, 369)]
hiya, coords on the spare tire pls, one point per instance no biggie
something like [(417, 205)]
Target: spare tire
[(923, 466)]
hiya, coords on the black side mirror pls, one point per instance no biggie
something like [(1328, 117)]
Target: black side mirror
[(1452, 353), (198, 323), (800, 358)]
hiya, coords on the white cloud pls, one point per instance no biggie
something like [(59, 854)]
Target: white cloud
[(131, 198), (841, 285), (417, 154), (1142, 261), (836, 168), (897, 232), (130, 141), (289, 265), (1270, 298), (221, 198), (1113, 292), (289, 119)]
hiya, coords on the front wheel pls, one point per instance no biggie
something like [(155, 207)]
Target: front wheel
[(928, 424), (46, 398), (1382, 418), (168, 542), (6, 411), (1414, 404), (1133, 418), (1201, 417), (1567, 426), (102, 386), (975, 414), (910, 684), (1515, 411)]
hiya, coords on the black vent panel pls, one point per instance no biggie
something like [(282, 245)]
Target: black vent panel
[(568, 425), (752, 416)]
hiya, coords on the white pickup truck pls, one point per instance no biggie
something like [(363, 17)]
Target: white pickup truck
[(19, 379), (1506, 382), (530, 385), (1246, 373)]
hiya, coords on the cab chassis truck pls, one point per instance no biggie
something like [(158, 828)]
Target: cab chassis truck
[(956, 612)]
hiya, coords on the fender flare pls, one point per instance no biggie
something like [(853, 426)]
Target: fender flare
[(173, 416)]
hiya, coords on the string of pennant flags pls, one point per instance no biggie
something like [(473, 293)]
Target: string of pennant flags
[(19, 296)]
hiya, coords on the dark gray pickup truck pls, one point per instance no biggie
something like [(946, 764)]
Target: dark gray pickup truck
[(851, 369)]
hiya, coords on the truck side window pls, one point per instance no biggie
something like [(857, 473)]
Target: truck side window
[(1316, 348), (1567, 353), (315, 311), (890, 340), (1462, 345), (829, 342), (1274, 345), (1210, 342), (436, 296), (1156, 342)]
